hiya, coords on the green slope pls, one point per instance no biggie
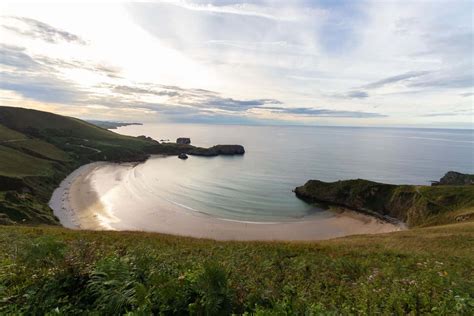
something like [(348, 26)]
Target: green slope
[(38, 149), (416, 272)]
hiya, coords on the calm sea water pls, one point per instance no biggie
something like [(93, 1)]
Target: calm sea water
[(258, 186)]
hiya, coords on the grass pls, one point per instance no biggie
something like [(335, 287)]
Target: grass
[(7, 134), (40, 149), (14, 163), (421, 271)]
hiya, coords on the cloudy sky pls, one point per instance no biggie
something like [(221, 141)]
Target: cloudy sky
[(321, 62)]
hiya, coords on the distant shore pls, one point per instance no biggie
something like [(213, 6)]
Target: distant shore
[(79, 204)]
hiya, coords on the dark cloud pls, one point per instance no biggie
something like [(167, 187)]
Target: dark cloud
[(33, 79), (397, 78), (46, 32), (130, 90), (16, 57), (355, 94), (312, 112), (238, 105), (454, 80), (452, 113), (193, 98), (109, 71), (41, 87)]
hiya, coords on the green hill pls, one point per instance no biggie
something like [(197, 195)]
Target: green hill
[(38, 149)]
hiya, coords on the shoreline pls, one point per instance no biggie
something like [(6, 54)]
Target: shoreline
[(83, 201)]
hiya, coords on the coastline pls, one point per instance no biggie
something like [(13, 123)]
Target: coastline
[(82, 201), (61, 200)]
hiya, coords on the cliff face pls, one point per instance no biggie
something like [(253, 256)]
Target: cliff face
[(414, 205), (456, 178)]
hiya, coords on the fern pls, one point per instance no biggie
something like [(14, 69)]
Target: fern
[(113, 286)]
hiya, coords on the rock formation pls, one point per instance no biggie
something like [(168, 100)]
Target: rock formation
[(183, 141), (411, 204), (456, 178), (218, 150)]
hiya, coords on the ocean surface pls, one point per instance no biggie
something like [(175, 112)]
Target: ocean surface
[(258, 186)]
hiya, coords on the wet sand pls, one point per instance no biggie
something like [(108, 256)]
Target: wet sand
[(98, 196)]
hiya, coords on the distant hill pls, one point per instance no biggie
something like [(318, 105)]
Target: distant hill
[(110, 125)]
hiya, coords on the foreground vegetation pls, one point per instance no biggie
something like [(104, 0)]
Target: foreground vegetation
[(60, 271)]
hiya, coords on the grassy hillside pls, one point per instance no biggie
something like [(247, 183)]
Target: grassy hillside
[(39, 149), (54, 270), (414, 205)]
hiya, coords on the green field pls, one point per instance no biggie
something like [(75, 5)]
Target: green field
[(14, 163), (7, 135), (54, 270)]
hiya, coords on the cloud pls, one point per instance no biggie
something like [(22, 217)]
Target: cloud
[(238, 105), (195, 98), (354, 94), (14, 56), (41, 87), (130, 90), (40, 30), (313, 112), (468, 112), (447, 80), (38, 79), (260, 9), (394, 79), (109, 71)]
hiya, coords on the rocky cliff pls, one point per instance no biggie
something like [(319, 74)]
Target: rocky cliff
[(414, 205), (456, 178)]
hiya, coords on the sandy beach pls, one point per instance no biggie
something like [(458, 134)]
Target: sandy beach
[(98, 196)]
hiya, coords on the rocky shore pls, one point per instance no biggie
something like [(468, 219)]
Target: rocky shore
[(413, 205)]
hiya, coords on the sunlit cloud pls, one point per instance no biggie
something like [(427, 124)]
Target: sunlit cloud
[(308, 62)]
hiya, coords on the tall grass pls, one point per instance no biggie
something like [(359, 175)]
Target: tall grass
[(48, 271)]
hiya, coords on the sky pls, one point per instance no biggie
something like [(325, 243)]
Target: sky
[(321, 62)]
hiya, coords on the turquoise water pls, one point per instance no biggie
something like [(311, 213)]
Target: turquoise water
[(258, 186)]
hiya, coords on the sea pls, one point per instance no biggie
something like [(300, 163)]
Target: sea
[(258, 186)]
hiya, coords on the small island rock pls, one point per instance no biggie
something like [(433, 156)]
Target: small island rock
[(183, 141), (183, 156)]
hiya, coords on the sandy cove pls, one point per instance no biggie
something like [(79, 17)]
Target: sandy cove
[(82, 201)]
